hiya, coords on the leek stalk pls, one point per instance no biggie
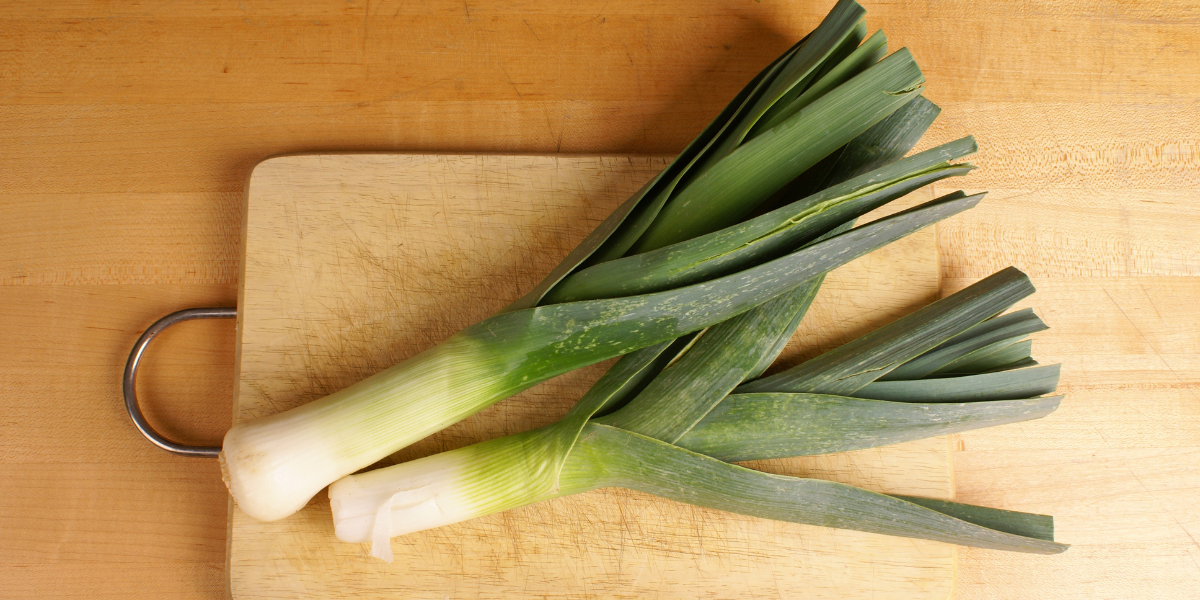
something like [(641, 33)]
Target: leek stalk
[(673, 436)]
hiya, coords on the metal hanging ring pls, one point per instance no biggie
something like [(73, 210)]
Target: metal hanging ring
[(131, 366)]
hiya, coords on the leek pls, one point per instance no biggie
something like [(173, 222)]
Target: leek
[(675, 425), (687, 407), (274, 465)]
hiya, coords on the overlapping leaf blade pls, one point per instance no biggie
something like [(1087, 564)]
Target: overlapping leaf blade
[(744, 346), (1003, 385), (841, 71), (764, 237), (852, 366), (632, 215), (982, 340), (1001, 355), (737, 184), (607, 456), (758, 426)]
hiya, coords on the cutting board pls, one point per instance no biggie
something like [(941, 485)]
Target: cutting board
[(353, 263)]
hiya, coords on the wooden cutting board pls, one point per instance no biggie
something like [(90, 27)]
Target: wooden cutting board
[(355, 262)]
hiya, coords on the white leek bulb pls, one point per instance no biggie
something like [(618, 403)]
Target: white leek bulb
[(274, 465), (442, 489)]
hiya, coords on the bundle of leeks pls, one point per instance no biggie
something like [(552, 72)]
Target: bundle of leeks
[(828, 121)]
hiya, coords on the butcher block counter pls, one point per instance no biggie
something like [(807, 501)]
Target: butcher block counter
[(128, 132)]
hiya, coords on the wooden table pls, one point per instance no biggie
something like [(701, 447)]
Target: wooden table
[(127, 131)]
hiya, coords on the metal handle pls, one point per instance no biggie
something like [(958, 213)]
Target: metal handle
[(131, 366)]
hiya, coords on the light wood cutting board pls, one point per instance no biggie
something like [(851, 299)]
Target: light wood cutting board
[(355, 262)]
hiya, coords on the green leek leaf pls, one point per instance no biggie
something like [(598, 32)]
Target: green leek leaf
[(631, 212), (991, 358), (758, 426), (738, 183), (1018, 364), (885, 142), (842, 22), (1003, 385), (988, 336), (718, 362), (607, 456), (1017, 523), (842, 71), (763, 237), (852, 366)]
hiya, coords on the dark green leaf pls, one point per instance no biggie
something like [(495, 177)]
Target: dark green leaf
[(733, 187), (991, 358), (536, 344), (970, 345), (610, 457), (719, 360), (595, 242), (764, 237), (1003, 385), (840, 72), (1018, 523), (852, 366), (758, 426)]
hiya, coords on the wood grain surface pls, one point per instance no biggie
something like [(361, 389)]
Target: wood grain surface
[(128, 130), (357, 262)]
